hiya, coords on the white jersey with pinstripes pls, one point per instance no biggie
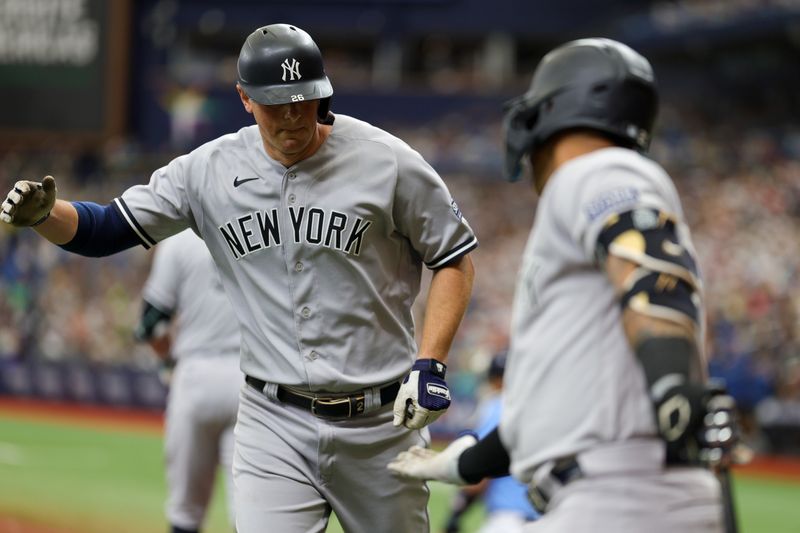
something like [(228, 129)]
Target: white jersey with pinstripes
[(572, 381), (321, 260)]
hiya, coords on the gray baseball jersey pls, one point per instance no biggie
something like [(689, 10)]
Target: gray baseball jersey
[(204, 390), (183, 279), (573, 381), (322, 262), (342, 229)]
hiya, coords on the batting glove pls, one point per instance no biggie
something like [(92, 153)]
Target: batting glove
[(423, 397), (29, 203), (424, 463), (698, 424)]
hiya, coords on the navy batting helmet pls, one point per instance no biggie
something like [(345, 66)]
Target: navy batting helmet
[(280, 64), (598, 84)]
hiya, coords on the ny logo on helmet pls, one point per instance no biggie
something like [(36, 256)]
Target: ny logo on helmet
[(292, 69)]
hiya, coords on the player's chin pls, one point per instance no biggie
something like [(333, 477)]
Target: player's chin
[(293, 144)]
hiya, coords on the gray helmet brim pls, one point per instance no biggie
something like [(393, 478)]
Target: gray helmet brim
[(285, 94)]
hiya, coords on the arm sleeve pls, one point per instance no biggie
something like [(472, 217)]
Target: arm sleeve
[(101, 231), (426, 213), (153, 321), (488, 458)]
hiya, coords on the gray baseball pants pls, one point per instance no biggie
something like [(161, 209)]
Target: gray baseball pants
[(201, 413), (291, 469), (625, 489)]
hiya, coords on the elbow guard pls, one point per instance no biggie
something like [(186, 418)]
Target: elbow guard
[(666, 284), (661, 295)]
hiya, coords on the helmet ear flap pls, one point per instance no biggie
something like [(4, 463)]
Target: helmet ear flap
[(519, 125), (324, 109)]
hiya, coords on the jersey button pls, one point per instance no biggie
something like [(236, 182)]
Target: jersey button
[(298, 267), (313, 356), (306, 312), (292, 198), (292, 175)]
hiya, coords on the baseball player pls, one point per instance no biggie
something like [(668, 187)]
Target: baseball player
[(607, 413), (184, 287), (319, 225), (505, 499)]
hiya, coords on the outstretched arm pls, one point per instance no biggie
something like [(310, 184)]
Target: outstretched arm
[(33, 204), (61, 225), (81, 227), (466, 460)]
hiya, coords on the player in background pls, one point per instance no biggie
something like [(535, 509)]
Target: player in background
[(187, 318), (320, 225), (608, 416), (505, 499)]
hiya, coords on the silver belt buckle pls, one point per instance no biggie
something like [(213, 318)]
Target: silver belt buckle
[(542, 486), (331, 401), (537, 498)]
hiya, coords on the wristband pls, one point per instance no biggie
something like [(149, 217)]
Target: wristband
[(431, 365), (41, 220)]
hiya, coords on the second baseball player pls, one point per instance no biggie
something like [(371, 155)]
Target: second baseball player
[(607, 414), (188, 319)]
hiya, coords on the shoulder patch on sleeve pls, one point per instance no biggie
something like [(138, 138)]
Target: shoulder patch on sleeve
[(454, 207), (616, 199)]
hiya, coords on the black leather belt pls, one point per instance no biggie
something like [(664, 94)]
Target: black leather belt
[(327, 407), (564, 471)]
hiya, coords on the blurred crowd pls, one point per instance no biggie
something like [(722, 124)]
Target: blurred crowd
[(57, 305), (741, 196)]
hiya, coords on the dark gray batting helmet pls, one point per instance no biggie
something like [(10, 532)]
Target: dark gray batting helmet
[(281, 63), (598, 84)]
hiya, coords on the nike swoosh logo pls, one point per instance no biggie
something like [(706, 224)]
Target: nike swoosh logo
[(237, 181)]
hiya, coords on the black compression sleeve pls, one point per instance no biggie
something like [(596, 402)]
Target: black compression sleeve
[(152, 316), (488, 458), (663, 356)]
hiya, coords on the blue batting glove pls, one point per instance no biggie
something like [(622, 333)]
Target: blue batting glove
[(423, 396)]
